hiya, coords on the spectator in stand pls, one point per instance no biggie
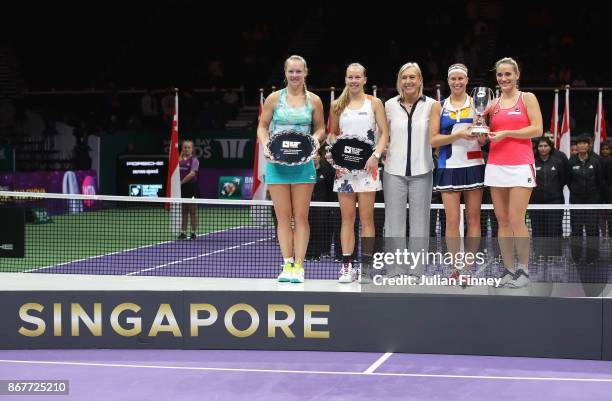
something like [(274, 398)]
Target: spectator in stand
[(591, 151), (552, 169), (113, 107), (605, 149), (573, 148), (606, 164), (586, 185), (149, 109), (167, 106), (216, 74), (230, 102)]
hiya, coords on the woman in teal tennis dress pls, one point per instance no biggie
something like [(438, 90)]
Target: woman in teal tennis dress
[(292, 108)]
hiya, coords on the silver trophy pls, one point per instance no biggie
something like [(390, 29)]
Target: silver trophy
[(482, 97)]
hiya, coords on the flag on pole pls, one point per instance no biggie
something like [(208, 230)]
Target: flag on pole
[(564, 146), (332, 95), (173, 182), (554, 120), (259, 169), (564, 137), (600, 131)]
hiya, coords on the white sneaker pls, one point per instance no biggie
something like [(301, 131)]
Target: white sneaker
[(347, 273), (298, 274), (286, 274), (521, 279), (506, 277)]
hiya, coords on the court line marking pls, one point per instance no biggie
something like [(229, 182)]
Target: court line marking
[(174, 262), (126, 250), (377, 363), (312, 372)]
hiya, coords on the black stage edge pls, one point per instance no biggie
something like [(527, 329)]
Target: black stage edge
[(324, 321)]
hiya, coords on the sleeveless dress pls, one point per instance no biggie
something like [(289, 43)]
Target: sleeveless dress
[(359, 122), (290, 118), (511, 161), (460, 164)]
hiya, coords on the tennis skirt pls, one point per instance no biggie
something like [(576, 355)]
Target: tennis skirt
[(281, 174), (357, 182), (459, 179), (521, 175)]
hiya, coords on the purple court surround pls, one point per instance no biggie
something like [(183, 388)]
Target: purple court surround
[(283, 375)]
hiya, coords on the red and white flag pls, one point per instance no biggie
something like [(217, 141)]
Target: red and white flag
[(259, 168), (564, 136), (332, 95), (554, 120), (601, 134), (173, 182)]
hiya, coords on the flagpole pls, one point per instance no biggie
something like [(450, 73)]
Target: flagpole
[(564, 142), (564, 146), (597, 132), (555, 127), (173, 189), (258, 187), (261, 214), (332, 95)]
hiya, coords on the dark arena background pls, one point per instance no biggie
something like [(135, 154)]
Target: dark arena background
[(106, 294)]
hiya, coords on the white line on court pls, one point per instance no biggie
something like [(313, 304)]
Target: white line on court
[(311, 372), (198, 256), (126, 250), (377, 363)]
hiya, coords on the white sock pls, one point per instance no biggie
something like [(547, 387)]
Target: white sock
[(522, 267), (288, 260)]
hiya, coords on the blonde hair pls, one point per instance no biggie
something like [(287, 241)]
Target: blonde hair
[(399, 78), (300, 59), (183, 144), (343, 99), (508, 60)]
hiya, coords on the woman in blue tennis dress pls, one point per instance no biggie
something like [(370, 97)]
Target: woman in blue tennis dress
[(292, 108), (460, 162)]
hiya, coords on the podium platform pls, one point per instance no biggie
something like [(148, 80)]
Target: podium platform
[(78, 311)]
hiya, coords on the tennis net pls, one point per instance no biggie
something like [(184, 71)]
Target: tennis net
[(115, 235)]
